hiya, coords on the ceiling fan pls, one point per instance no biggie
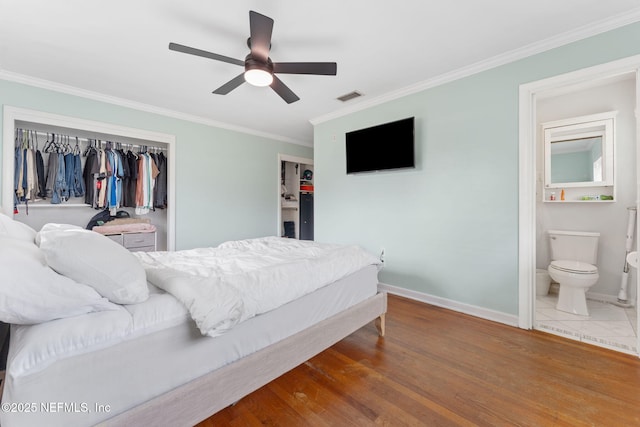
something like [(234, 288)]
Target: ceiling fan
[(259, 70)]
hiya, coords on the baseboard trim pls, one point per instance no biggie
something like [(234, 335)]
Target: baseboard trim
[(607, 298), (484, 313)]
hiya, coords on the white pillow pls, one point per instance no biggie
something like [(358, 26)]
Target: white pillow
[(31, 292), (15, 229), (95, 260)]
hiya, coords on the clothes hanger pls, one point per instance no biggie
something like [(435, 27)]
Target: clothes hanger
[(53, 145), (67, 146), (47, 144), (89, 147)]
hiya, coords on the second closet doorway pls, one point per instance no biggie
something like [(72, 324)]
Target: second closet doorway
[(295, 197)]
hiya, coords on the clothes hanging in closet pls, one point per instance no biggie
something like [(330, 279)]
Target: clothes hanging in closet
[(114, 180), (109, 178), (125, 173), (52, 169), (161, 195), (147, 174), (60, 189), (28, 175), (73, 172), (42, 178), (130, 180), (91, 174)]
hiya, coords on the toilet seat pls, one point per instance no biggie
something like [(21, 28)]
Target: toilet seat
[(575, 267)]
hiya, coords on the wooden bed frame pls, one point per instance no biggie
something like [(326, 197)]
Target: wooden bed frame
[(197, 400)]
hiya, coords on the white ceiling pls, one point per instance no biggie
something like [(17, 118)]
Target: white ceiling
[(118, 50)]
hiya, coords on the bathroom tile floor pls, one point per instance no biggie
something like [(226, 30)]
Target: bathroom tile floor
[(608, 325)]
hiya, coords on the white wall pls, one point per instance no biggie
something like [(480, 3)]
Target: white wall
[(609, 219)]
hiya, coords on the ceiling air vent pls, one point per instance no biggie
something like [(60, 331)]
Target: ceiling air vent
[(349, 96)]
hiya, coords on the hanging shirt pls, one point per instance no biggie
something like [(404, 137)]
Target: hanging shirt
[(161, 182), (147, 173), (77, 176), (42, 178), (114, 180), (69, 175), (60, 189), (32, 177), (52, 170), (102, 185), (131, 182), (18, 173), (140, 184)]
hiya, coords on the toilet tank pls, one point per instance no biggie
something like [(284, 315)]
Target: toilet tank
[(574, 245)]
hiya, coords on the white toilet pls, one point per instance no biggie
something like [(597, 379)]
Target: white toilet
[(573, 258)]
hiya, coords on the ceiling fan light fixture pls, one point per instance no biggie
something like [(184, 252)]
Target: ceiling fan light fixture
[(259, 70), (258, 77)]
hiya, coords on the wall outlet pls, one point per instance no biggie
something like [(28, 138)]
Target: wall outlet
[(382, 254)]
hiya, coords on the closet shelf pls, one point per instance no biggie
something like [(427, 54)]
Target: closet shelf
[(50, 205)]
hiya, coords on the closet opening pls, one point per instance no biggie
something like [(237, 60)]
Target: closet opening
[(53, 138), (295, 197)]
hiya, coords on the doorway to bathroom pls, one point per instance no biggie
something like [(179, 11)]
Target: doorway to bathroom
[(610, 88)]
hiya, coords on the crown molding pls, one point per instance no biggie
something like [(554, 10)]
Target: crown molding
[(121, 102), (514, 55)]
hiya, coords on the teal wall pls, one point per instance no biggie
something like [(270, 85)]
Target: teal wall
[(450, 227), (226, 181)]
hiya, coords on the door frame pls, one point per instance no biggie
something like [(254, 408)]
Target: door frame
[(285, 158), (529, 92)]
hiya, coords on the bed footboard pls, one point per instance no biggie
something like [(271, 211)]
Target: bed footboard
[(199, 399)]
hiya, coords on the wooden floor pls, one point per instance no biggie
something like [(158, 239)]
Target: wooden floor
[(436, 367)]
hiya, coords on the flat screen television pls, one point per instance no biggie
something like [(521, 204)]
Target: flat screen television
[(382, 147)]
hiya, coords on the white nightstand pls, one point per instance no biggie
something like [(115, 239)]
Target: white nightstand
[(136, 242)]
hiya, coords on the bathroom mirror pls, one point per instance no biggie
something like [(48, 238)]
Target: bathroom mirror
[(579, 151)]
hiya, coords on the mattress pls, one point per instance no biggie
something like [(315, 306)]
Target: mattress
[(98, 383)]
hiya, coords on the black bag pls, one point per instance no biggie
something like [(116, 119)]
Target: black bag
[(99, 219), (105, 216)]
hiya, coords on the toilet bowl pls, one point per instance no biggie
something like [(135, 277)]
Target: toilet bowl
[(575, 278), (573, 258)]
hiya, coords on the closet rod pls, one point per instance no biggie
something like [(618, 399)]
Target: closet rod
[(87, 140)]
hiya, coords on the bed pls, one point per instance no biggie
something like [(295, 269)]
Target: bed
[(165, 359)]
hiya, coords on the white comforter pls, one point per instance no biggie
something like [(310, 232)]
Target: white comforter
[(237, 280)]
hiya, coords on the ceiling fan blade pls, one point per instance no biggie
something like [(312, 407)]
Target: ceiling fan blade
[(261, 28), (230, 85), (197, 52), (284, 91), (318, 68)]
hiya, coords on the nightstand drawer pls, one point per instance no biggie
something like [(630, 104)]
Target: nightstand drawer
[(151, 248), (116, 238), (139, 240)]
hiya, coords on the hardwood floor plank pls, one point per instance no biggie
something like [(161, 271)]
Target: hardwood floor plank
[(322, 399), (441, 384), (437, 367)]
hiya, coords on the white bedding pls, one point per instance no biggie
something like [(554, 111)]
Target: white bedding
[(168, 352), (36, 347), (238, 280), (120, 357)]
